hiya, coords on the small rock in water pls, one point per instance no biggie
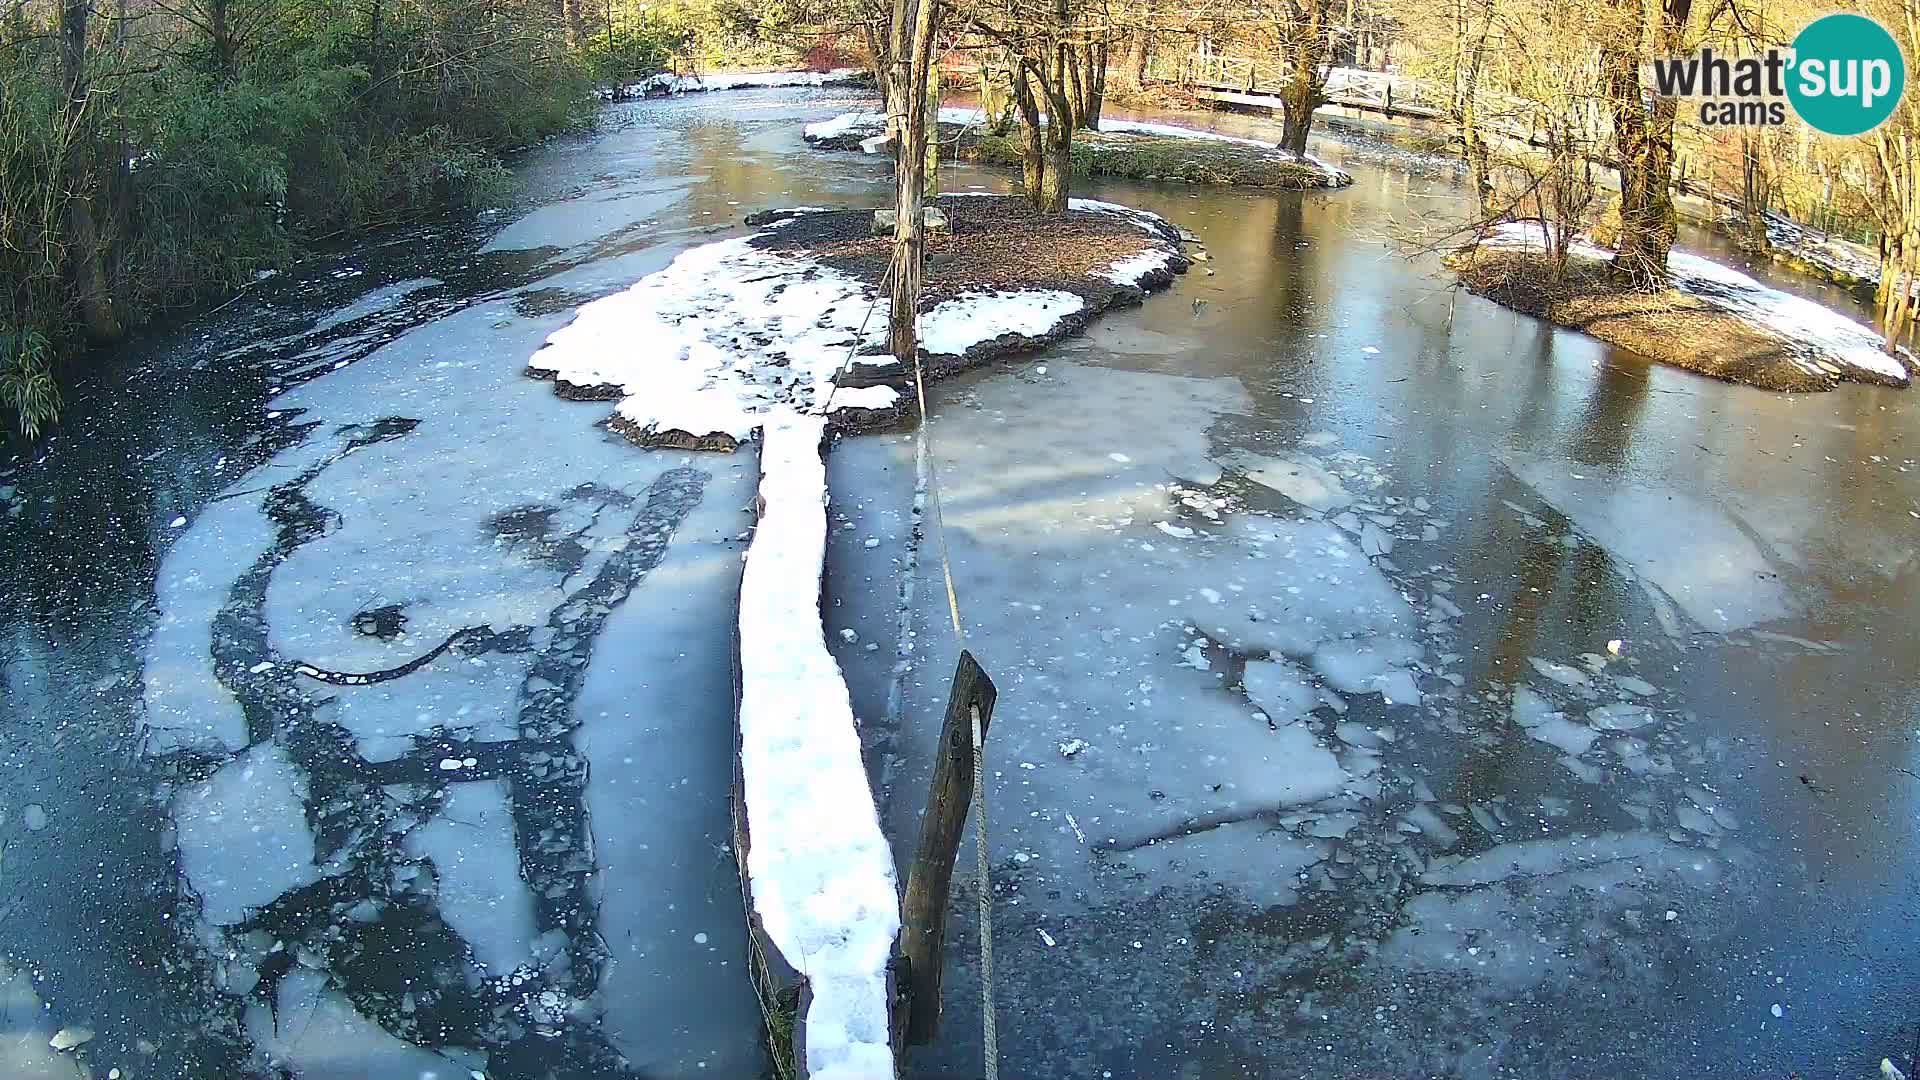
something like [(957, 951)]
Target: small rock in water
[(34, 817), (68, 1038)]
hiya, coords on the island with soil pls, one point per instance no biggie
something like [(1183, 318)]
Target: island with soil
[(1129, 149), (1711, 319), (794, 316)]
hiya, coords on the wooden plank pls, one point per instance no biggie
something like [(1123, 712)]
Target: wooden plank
[(924, 910)]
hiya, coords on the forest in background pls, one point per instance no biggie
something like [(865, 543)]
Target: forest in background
[(155, 154), (158, 153)]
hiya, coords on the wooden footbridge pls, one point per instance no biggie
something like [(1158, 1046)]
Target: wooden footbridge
[(1244, 81)]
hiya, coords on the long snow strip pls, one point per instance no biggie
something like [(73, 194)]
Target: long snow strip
[(821, 875), (668, 83)]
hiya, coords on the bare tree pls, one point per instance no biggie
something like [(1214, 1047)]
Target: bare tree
[(85, 243), (909, 71), (1643, 134)]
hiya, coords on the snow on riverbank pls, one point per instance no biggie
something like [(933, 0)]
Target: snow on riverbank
[(1839, 259), (698, 354), (873, 123), (819, 869), (1824, 342), (667, 83)]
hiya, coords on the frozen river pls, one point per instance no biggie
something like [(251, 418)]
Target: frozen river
[(1389, 683)]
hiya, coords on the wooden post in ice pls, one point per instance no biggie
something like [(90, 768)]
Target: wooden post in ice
[(923, 914)]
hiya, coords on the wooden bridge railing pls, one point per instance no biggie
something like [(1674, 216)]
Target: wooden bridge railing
[(1352, 87)]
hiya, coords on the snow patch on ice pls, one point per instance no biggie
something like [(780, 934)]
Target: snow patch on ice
[(1371, 665), (710, 344), (185, 704), (319, 1034), (821, 873), (1259, 862)]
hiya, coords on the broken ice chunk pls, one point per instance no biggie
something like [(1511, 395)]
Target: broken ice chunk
[(1621, 717), (1563, 674), (1373, 665), (1279, 689), (1301, 479)]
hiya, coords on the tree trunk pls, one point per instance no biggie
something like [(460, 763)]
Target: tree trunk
[(222, 34), (930, 124), (1309, 45), (1056, 183), (1094, 70), (1033, 163), (880, 64), (1075, 88), (995, 102), (1754, 194), (1134, 67), (1643, 141), (85, 245), (376, 48), (576, 19), (911, 51)]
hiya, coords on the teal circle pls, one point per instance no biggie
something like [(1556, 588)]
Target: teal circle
[(1847, 51)]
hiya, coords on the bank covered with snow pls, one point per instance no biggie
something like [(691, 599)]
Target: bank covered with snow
[(667, 84), (852, 130), (697, 355), (1822, 345)]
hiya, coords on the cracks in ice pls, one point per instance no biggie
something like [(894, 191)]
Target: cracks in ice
[(1514, 854), (369, 917), (471, 640)]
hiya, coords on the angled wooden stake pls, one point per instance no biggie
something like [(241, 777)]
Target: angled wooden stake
[(923, 914)]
